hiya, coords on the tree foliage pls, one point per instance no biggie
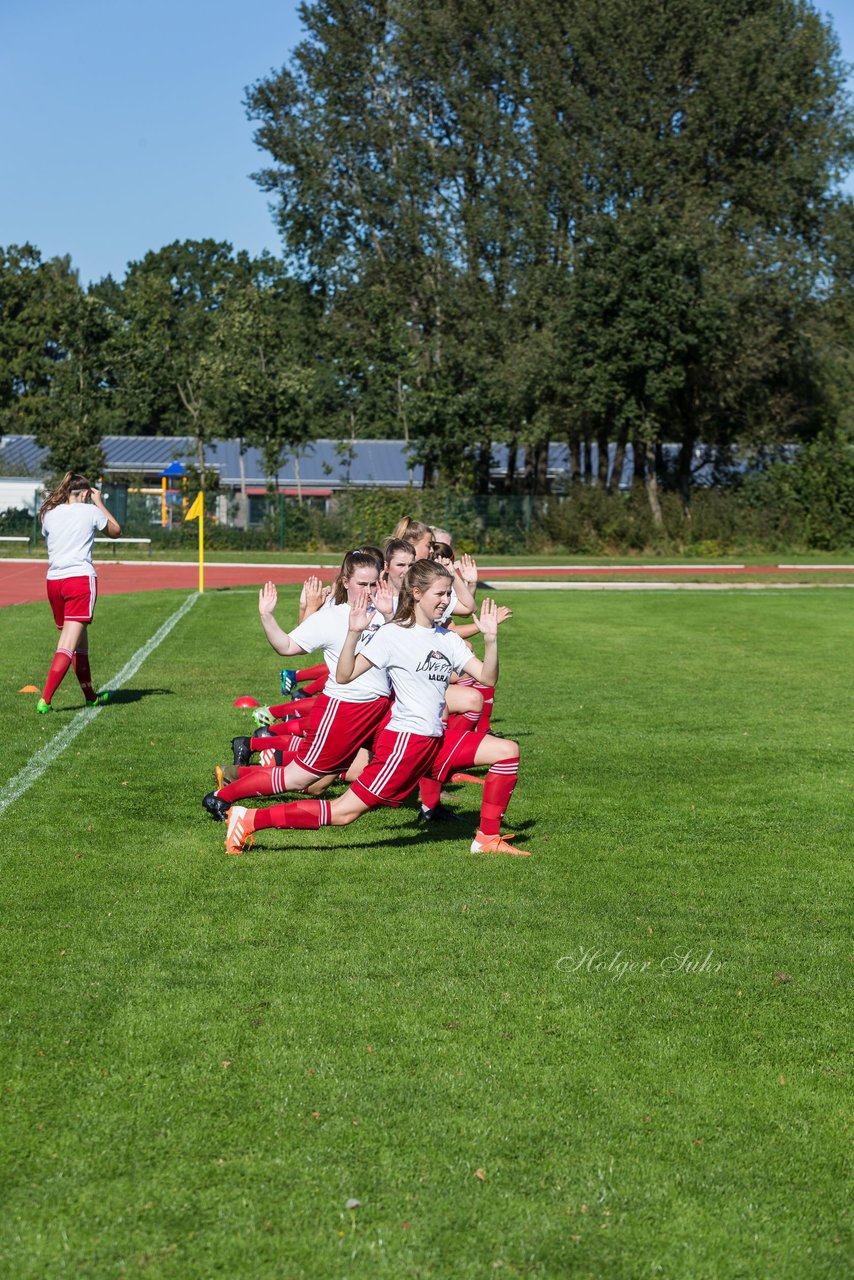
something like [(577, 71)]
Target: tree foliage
[(603, 220), (55, 380), (613, 223)]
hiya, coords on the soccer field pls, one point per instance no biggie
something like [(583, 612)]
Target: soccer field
[(625, 1056)]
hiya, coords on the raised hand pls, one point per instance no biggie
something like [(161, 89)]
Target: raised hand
[(312, 596), (467, 569), (359, 611), (487, 622), (503, 613), (384, 600), (267, 598)]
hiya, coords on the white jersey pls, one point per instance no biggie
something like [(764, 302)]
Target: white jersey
[(419, 662), (70, 532), (327, 630)]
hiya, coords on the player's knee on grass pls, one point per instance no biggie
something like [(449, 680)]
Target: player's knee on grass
[(360, 762), (319, 785)]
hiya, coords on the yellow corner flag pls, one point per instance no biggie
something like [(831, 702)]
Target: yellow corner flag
[(196, 509), (197, 512)]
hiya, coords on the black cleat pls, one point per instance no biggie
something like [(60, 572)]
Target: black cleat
[(241, 750), (437, 814), (263, 731), (217, 808)]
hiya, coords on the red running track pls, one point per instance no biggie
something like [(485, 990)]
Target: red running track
[(22, 581)]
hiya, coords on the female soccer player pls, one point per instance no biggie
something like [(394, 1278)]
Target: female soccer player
[(397, 558), (418, 660), (69, 517), (421, 539), (345, 717), (313, 596)]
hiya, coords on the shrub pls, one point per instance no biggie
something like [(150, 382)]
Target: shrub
[(811, 496), (16, 521)]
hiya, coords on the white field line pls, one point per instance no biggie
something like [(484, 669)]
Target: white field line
[(35, 767)]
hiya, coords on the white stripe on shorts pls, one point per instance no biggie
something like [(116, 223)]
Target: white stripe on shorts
[(323, 730), (387, 771)]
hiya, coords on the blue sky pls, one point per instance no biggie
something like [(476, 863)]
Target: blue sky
[(122, 126)]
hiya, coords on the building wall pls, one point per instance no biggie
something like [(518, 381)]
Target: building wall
[(19, 491)]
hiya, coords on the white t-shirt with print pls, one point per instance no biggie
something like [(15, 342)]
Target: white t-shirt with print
[(327, 630), (419, 662), (70, 532)]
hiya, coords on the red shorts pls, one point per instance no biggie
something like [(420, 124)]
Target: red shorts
[(458, 751), (336, 730), (72, 599), (400, 760)]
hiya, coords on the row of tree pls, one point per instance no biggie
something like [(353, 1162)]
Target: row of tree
[(196, 341), (603, 221)]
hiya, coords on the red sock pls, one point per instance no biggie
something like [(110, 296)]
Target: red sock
[(293, 729), (497, 790), (318, 685), (309, 814), (80, 663), (485, 717), (462, 721), (317, 672), (301, 707), (430, 791), (258, 781), (59, 666)]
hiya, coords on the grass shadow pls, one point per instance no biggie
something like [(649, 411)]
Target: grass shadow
[(125, 696)]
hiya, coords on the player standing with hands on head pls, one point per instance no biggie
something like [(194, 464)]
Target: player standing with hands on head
[(69, 516)]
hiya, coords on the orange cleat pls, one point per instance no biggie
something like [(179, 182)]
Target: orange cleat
[(466, 777), (496, 844), (225, 773), (240, 827)]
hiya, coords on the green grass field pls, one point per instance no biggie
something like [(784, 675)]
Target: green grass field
[(623, 1057)]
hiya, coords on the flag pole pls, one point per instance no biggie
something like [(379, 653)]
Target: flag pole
[(197, 512), (201, 545)]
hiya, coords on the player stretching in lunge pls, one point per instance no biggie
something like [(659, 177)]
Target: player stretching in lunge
[(345, 717), (418, 660)]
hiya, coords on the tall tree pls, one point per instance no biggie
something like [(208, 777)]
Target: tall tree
[(171, 302), (483, 170), (258, 372), (55, 379)]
